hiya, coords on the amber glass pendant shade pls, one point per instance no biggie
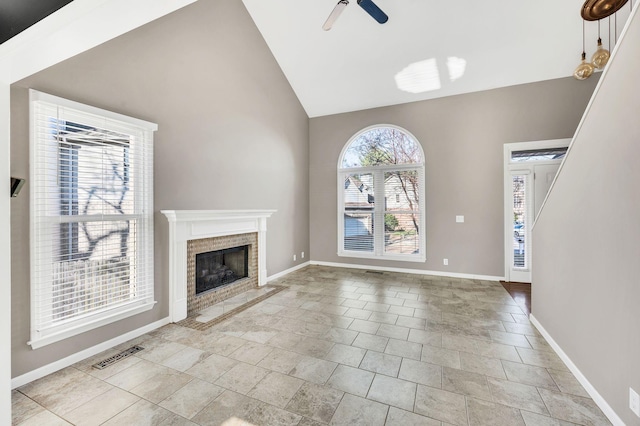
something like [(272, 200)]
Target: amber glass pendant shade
[(601, 57), (584, 70)]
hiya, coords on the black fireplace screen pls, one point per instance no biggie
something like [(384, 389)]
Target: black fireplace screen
[(221, 267)]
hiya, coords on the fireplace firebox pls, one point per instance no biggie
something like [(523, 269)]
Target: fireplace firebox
[(219, 268)]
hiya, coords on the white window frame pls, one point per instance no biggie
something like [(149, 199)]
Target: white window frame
[(513, 168), (379, 207), (41, 264)]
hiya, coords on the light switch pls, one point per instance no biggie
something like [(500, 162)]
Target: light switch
[(460, 219)]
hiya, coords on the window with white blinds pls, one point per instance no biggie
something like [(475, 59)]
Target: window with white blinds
[(381, 196), (91, 217), (522, 185)]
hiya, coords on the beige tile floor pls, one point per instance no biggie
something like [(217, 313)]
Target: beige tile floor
[(338, 346), (219, 309)]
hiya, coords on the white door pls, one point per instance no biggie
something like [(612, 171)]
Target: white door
[(530, 169)]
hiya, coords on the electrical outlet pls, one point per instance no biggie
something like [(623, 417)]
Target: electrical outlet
[(460, 219), (634, 401), (294, 257), (445, 262), (302, 255)]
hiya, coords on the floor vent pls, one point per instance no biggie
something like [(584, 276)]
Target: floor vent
[(117, 357), (374, 272)]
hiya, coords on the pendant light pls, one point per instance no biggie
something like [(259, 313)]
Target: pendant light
[(594, 10), (585, 69), (601, 56)]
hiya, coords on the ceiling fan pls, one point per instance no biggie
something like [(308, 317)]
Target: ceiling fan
[(368, 5)]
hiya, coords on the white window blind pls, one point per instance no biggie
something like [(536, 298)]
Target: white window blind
[(521, 184), (381, 196), (91, 217)]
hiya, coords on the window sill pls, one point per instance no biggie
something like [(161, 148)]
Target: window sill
[(393, 257), (86, 324)]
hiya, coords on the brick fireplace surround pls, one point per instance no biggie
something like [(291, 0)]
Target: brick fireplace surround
[(197, 231)]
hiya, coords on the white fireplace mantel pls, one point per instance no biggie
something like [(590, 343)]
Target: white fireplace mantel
[(185, 225)]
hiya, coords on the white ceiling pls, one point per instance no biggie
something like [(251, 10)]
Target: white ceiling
[(489, 44)]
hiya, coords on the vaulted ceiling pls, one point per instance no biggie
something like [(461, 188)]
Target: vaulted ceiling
[(427, 49)]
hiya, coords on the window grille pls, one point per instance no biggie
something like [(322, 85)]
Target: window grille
[(381, 196), (91, 217)]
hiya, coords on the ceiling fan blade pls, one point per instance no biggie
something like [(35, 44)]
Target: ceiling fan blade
[(337, 10), (372, 9)]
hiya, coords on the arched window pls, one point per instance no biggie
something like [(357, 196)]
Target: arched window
[(381, 196)]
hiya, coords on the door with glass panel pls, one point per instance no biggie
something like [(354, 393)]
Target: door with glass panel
[(530, 169)]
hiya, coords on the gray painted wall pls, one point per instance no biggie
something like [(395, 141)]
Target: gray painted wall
[(463, 138), (232, 135), (586, 292)]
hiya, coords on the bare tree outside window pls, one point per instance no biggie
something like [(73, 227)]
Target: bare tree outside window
[(91, 217), (94, 182), (385, 146), (381, 148)]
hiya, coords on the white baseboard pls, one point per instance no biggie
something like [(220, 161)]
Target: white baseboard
[(408, 271), (79, 356), (287, 271), (597, 398)]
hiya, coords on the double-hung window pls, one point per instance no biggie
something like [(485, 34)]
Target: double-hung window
[(91, 176), (381, 196)]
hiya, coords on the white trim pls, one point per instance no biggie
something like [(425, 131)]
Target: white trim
[(288, 271), (77, 27), (377, 173), (621, 39), (45, 329), (5, 260), (84, 354), (185, 225), (94, 350), (508, 168), (101, 114), (392, 167), (591, 390), (409, 271), (98, 320), (215, 215), (416, 258)]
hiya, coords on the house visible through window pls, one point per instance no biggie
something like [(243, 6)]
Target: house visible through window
[(381, 196), (91, 217)]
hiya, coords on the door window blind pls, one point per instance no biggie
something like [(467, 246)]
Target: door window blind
[(523, 210), (91, 217)]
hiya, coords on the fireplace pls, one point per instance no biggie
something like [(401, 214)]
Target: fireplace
[(216, 269), (221, 267), (194, 232)]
